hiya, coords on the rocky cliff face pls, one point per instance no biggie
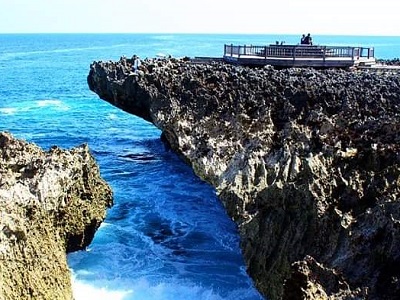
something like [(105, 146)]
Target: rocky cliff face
[(306, 162), (50, 203)]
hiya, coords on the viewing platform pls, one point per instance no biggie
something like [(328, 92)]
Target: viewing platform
[(299, 56)]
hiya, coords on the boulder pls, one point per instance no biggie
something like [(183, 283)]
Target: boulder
[(51, 202)]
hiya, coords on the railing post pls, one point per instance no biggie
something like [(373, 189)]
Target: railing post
[(294, 53), (231, 50)]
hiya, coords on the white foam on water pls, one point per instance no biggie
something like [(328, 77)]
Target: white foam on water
[(52, 103), (140, 290), (24, 107), (14, 55), (104, 224), (164, 37), (85, 291), (161, 55), (8, 110), (112, 117)]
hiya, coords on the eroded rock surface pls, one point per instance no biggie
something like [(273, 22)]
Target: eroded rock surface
[(50, 203), (306, 162)]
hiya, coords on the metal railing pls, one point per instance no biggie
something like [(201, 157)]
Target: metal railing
[(298, 51)]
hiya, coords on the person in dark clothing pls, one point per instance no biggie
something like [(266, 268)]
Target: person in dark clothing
[(308, 40), (303, 39)]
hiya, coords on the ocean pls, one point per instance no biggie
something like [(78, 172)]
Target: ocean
[(167, 235)]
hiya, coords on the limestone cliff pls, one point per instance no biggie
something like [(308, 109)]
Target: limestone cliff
[(306, 162), (50, 203)]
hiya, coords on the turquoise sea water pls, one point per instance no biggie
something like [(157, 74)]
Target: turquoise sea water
[(167, 236)]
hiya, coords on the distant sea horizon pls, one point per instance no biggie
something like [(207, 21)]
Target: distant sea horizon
[(386, 46), (206, 33)]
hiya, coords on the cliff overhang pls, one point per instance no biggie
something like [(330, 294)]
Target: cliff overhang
[(306, 162)]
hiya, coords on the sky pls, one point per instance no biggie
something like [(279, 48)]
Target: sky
[(338, 17)]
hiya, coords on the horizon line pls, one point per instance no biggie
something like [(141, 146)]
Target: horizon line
[(199, 33)]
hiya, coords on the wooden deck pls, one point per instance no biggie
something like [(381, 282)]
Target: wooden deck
[(299, 56)]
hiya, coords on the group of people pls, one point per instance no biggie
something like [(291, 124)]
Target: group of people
[(306, 40)]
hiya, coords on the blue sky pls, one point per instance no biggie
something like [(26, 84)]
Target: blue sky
[(364, 17)]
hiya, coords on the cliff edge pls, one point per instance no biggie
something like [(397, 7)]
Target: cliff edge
[(50, 203), (306, 162)]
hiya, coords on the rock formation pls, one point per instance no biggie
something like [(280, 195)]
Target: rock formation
[(389, 62), (50, 203), (306, 162)]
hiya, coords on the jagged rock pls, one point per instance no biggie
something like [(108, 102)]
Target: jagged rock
[(389, 62), (311, 280), (306, 162), (50, 203)]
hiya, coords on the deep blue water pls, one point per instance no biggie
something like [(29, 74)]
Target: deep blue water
[(167, 236)]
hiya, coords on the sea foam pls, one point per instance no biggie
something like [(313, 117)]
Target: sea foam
[(58, 104), (8, 110), (141, 290)]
